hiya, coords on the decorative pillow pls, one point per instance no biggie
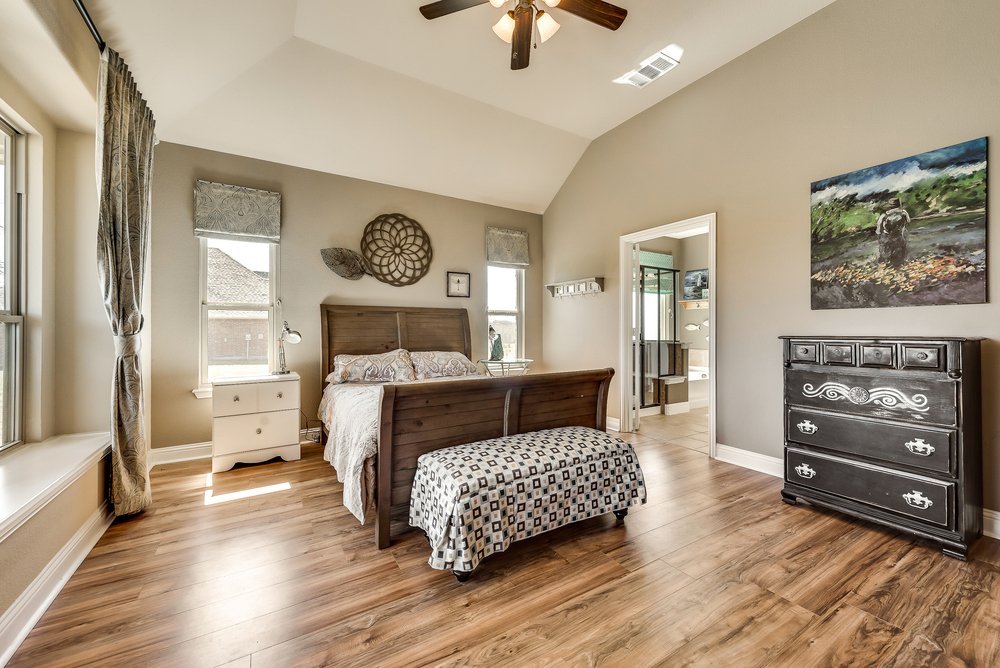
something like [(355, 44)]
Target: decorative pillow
[(391, 367), (437, 364)]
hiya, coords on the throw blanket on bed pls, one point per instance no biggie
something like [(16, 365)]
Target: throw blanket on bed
[(476, 499), (350, 413)]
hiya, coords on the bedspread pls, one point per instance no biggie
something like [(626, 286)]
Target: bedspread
[(476, 499), (350, 413)]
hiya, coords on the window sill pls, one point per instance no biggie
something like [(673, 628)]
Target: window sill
[(32, 475), (202, 392)]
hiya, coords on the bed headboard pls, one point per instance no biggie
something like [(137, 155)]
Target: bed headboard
[(364, 330)]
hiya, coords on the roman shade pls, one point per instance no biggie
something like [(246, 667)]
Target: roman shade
[(236, 213), (506, 247)]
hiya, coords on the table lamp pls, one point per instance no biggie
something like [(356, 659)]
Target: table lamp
[(286, 335)]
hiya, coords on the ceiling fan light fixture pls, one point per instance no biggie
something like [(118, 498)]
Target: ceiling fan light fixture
[(552, 3), (547, 25), (504, 28), (497, 3)]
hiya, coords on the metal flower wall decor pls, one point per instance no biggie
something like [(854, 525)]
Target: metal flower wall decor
[(395, 249)]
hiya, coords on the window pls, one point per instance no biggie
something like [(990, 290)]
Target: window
[(11, 317), (504, 307), (237, 307)]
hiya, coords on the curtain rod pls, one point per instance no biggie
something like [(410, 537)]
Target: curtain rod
[(90, 24)]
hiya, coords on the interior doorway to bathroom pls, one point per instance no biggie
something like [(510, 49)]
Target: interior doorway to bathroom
[(667, 333)]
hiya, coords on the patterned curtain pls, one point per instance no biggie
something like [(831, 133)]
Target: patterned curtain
[(506, 247), (124, 172)]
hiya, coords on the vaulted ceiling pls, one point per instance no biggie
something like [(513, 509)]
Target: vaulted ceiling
[(373, 90)]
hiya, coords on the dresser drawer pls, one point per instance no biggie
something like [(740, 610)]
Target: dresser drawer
[(930, 357), (804, 351), (240, 433), (234, 399), (838, 353), (279, 396), (895, 395), (922, 498), (918, 446)]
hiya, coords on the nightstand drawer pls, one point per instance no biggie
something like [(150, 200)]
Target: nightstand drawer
[(928, 500), (240, 433), (914, 445), (234, 399), (279, 396)]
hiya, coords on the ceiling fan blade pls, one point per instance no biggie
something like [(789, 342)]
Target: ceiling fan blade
[(520, 46), (445, 7), (596, 11)]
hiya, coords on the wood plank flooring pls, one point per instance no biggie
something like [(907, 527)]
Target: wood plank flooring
[(714, 571)]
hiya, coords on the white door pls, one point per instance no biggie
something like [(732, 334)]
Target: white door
[(636, 401)]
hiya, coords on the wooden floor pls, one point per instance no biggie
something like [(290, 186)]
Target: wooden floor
[(714, 571)]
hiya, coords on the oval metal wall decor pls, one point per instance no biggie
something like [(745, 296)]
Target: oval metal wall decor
[(396, 249)]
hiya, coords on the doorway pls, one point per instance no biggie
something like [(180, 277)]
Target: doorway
[(667, 335)]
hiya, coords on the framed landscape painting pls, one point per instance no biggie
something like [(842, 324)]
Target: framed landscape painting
[(907, 233)]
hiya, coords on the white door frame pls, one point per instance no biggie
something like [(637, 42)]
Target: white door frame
[(680, 229)]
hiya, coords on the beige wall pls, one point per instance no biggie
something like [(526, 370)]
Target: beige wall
[(693, 256), (27, 551), (84, 348), (318, 211), (857, 84)]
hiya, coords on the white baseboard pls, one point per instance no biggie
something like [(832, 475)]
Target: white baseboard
[(699, 403), (180, 453), (677, 408), (21, 617), (991, 523), (648, 412), (750, 460), (613, 424)]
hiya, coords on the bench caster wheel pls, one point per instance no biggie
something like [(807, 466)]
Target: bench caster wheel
[(620, 514), (462, 576)]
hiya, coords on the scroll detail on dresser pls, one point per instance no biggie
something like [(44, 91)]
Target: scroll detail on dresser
[(887, 430)]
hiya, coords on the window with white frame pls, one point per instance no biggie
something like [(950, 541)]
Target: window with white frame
[(11, 315), (505, 307), (239, 288)]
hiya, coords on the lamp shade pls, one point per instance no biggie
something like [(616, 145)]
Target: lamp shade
[(497, 3), (505, 27), (552, 3), (547, 25)]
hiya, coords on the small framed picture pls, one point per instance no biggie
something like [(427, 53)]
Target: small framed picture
[(458, 284)]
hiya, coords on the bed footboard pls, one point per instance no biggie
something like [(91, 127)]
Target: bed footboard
[(416, 419)]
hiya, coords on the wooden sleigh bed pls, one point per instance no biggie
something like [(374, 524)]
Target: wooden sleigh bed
[(419, 418)]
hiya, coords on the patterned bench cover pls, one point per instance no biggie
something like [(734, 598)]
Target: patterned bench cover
[(476, 499)]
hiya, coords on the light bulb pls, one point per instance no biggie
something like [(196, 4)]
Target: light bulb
[(505, 27), (547, 25), (497, 3), (552, 3)]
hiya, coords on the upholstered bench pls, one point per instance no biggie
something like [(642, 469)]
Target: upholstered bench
[(476, 499)]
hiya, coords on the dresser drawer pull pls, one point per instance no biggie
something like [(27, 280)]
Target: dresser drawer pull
[(280, 395), (803, 351), (918, 500), (805, 471), (236, 397), (922, 356), (807, 427), (919, 447), (258, 430)]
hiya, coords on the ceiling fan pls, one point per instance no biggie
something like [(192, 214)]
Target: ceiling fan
[(516, 26)]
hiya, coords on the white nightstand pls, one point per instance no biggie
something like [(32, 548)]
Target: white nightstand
[(254, 418)]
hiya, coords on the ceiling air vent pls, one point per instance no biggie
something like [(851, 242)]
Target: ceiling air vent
[(650, 70)]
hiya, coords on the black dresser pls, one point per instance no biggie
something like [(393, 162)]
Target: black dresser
[(888, 430)]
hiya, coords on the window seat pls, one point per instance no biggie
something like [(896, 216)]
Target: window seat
[(34, 474)]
